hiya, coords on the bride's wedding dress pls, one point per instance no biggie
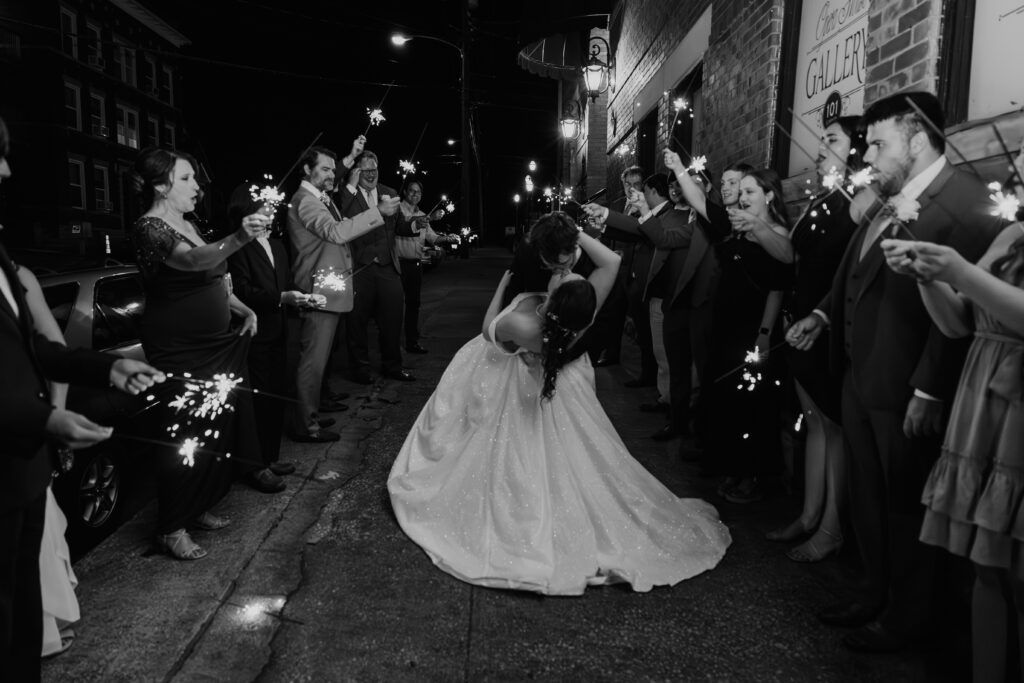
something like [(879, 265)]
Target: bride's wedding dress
[(505, 490)]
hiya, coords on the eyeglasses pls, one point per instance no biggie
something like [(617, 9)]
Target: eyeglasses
[(366, 171)]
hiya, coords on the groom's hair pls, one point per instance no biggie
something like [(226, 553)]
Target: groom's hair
[(554, 234)]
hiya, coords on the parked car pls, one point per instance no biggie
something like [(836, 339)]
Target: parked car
[(99, 309)]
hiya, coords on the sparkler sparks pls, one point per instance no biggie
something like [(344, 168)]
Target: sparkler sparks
[(188, 451), (698, 164), (832, 179), (1007, 204), (376, 116), (330, 279), (450, 207), (406, 167), (206, 399), (268, 195), (862, 178), (679, 103)]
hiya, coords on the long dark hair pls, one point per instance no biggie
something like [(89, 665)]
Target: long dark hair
[(154, 166), (769, 181), (1010, 266), (854, 130), (570, 309)]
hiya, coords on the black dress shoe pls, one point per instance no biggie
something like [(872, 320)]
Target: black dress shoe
[(847, 614), (400, 375), (641, 382), (264, 480), (415, 348), (332, 407), (327, 421), (281, 468), (874, 637), (335, 396), (322, 436), (653, 407), (666, 433), (362, 378)]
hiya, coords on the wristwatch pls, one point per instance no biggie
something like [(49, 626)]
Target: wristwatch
[(764, 330)]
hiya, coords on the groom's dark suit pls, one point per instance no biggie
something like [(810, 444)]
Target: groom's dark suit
[(885, 346), (27, 361)]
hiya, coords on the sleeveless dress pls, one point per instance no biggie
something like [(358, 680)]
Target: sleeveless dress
[(974, 492), (504, 490)]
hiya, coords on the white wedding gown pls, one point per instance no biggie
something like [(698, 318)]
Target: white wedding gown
[(505, 490)]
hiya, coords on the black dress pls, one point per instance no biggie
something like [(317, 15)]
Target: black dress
[(186, 328), (819, 239), (742, 438)]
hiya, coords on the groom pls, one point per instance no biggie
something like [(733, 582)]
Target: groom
[(552, 246)]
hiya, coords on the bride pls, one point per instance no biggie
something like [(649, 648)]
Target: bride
[(514, 477)]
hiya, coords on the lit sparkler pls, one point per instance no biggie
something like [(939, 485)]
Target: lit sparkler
[(832, 179), (698, 164), (406, 167), (269, 196), (376, 116), (330, 279), (188, 451), (862, 178), (679, 103), (450, 207), (1007, 203)]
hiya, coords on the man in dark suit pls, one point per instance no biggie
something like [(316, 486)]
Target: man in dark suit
[(659, 230), (28, 425), (899, 372), (377, 279)]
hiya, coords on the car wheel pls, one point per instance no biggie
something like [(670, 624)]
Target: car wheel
[(90, 495), (98, 491)]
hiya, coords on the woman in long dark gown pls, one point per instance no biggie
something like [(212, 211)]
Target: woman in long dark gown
[(186, 328), (743, 402)]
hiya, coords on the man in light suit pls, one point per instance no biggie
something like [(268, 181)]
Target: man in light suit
[(899, 371), (378, 278), (322, 265)]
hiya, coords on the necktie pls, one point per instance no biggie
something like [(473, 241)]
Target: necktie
[(875, 228)]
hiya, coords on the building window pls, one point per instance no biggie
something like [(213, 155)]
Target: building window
[(72, 106), (687, 119), (98, 115), (76, 183), (68, 32), (126, 61), (94, 46), (979, 40), (167, 86), (10, 44), (127, 127), (153, 131), (169, 135), (101, 187), (149, 82)]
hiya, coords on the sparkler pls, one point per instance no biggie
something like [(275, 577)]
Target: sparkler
[(1006, 202), (268, 196), (330, 279), (450, 207), (376, 115), (931, 124), (832, 179), (406, 167), (299, 159), (753, 357), (442, 200), (698, 164)]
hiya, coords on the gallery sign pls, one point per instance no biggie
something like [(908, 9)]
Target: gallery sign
[(830, 74)]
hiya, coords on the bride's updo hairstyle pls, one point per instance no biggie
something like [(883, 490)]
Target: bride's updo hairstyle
[(154, 166), (570, 308)]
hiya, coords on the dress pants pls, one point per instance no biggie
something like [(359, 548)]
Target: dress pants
[(267, 374), (21, 602), (658, 345), (316, 336), (887, 472), (687, 339), (412, 283), (378, 296), (639, 311)]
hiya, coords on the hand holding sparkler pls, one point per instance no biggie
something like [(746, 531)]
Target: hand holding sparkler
[(673, 161), (596, 212), (804, 332), (295, 298), (358, 145), (133, 376), (925, 261), (388, 205), (74, 430), (254, 225)]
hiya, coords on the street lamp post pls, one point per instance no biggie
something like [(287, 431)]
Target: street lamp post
[(515, 202), (400, 39)]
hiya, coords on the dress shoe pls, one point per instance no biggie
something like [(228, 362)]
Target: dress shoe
[(847, 614), (666, 433), (327, 421), (264, 480), (653, 407), (362, 378), (415, 348), (874, 637), (604, 361), (321, 436), (641, 382), (400, 376), (281, 468), (333, 396), (332, 407)]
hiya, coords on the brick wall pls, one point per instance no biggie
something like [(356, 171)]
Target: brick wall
[(903, 47)]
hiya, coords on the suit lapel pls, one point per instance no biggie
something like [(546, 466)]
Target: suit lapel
[(19, 320)]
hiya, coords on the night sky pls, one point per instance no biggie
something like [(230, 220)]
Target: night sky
[(262, 78)]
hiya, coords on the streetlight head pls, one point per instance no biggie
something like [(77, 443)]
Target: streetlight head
[(515, 198), (533, 165), (399, 40), (451, 142)]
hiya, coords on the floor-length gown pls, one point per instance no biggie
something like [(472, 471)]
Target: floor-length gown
[(57, 579), (503, 489), (186, 328), (743, 401)]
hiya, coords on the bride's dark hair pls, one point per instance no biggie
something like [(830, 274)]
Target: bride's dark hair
[(1010, 266), (570, 309)]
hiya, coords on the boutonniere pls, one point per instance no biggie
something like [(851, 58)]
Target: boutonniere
[(902, 208)]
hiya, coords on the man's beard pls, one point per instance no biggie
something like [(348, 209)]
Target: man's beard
[(890, 184)]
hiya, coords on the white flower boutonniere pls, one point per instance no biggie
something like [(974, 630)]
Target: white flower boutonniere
[(903, 208)]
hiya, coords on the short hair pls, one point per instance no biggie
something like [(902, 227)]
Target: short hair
[(313, 153), (5, 140), (900, 107), (632, 170), (554, 234), (365, 154), (738, 167), (659, 183), (409, 182)]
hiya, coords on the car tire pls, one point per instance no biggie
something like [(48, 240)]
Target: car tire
[(90, 495)]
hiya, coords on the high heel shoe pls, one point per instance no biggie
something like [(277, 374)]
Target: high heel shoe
[(208, 521), (179, 545), (814, 550), (790, 532)]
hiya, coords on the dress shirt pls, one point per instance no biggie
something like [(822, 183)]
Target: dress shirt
[(322, 196), (653, 211), (412, 247), (265, 243), (5, 287)]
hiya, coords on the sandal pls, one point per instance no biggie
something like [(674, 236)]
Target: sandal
[(790, 532), (812, 552), (67, 639), (208, 521), (180, 545)]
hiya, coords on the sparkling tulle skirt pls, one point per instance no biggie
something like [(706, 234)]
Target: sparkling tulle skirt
[(504, 490)]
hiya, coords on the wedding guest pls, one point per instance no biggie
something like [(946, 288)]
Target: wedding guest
[(377, 278), (972, 495), (410, 257), (819, 239), (187, 328), (322, 264), (29, 424), (898, 369), (743, 397)]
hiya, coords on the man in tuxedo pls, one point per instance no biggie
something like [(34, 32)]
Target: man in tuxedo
[(658, 231), (29, 424), (322, 265), (377, 278), (899, 372)]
